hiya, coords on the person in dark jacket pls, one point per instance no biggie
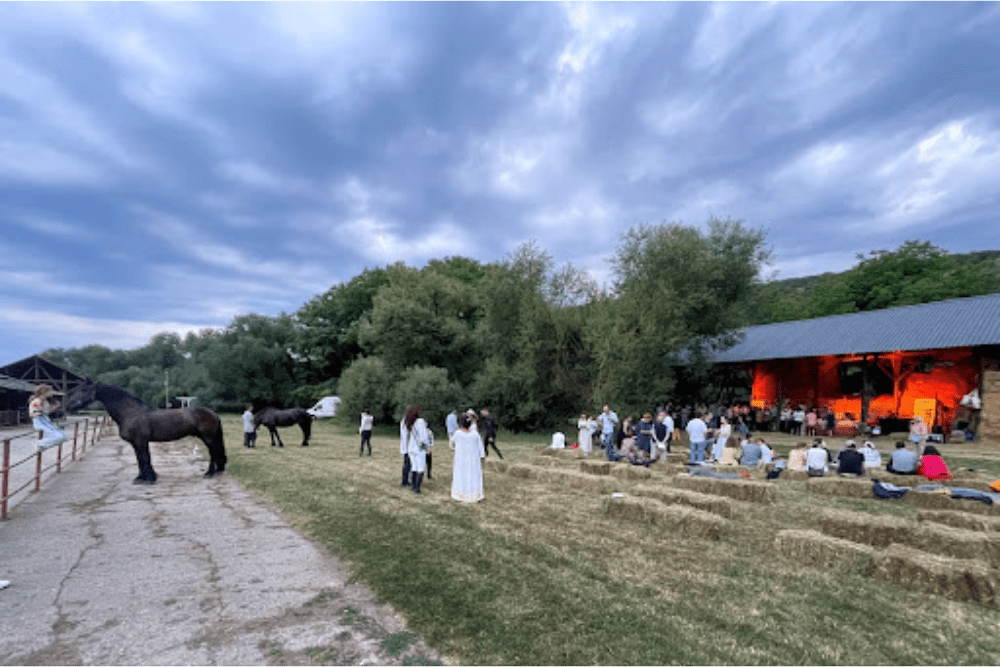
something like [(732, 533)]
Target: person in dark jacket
[(489, 432)]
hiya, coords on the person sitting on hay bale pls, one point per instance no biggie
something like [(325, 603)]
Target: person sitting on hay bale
[(932, 466), (817, 459), (797, 457), (766, 453), (903, 461), (873, 457), (850, 461), (751, 454), (731, 452)]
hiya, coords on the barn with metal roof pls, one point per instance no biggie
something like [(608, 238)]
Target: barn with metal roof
[(909, 360)]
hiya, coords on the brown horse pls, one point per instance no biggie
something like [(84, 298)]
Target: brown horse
[(140, 425)]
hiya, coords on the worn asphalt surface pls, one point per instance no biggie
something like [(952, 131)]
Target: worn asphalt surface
[(188, 571)]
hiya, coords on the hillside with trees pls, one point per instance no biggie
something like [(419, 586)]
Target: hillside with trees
[(536, 342)]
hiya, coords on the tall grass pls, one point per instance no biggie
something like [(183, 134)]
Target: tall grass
[(539, 574)]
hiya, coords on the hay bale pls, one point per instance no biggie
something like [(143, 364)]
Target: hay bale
[(550, 452), (677, 520), (670, 468), (596, 467), (578, 480), (630, 472), (795, 475), (873, 530), (934, 500), (737, 489), (952, 578), (522, 470), (964, 520), (717, 505), (881, 531), (851, 487), (815, 549), (545, 461), (493, 465)]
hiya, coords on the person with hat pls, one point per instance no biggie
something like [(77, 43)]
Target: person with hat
[(38, 409)]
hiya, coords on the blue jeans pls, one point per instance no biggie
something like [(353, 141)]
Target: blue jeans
[(608, 440), (51, 436), (698, 450)]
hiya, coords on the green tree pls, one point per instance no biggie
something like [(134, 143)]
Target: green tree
[(677, 287), (430, 387), (367, 385)]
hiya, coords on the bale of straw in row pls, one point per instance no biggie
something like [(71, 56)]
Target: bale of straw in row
[(812, 548), (953, 578), (671, 468), (545, 461), (577, 480), (675, 519), (881, 531), (934, 500), (494, 465), (522, 470), (596, 467), (738, 489), (717, 505), (851, 487), (550, 452), (964, 520), (630, 472), (795, 475)]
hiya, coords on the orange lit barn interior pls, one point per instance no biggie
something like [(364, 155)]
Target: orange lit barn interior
[(906, 361)]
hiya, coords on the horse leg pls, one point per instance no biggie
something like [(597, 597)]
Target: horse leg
[(217, 455), (146, 473), (277, 434), (305, 433)]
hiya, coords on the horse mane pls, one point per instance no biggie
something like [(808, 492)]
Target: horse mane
[(116, 395)]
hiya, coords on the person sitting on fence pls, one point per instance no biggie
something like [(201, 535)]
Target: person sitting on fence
[(873, 457), (850, 461), (797, 457), (731, 452), (817, 459), (903, 461), (38, 409), (751, 455), (932, 466)]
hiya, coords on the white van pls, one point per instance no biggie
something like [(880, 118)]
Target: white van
[(327, 407)]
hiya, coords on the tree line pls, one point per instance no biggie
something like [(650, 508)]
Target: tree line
[(535, 342)]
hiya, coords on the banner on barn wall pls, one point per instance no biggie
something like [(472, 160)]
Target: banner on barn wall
[(925, 408)]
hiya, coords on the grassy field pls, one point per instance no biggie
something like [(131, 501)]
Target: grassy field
[(542, 574)]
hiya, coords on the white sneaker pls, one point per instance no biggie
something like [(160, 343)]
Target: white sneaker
[(4, 584)]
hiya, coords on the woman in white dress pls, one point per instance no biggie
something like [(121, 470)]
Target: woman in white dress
[(722, 435), (467, 476), (418, 441), (584, 434)]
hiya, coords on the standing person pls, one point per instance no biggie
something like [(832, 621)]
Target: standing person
[(583, 433), (721, 438), (467, 476), (489, 432), (249, 432), (661, 437), (404, 447), (608, 420), (451, 424), (38, 409), (697, 430), (418, 441), (366, 432), (798, 419), (644, 435)]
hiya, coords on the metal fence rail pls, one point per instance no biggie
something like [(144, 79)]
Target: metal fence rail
[(93, 429)]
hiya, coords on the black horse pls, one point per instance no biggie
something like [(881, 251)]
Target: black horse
[(140, 425), (272, 418)]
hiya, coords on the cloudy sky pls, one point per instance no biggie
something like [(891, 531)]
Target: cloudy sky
[(165, 167)]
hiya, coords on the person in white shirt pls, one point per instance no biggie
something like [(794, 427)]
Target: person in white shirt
[(817, 459), (249, 431), (697, 430), (366, 432), (873, 457)]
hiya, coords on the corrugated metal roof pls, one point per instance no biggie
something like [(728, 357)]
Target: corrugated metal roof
[(15, 384), (930, 326)]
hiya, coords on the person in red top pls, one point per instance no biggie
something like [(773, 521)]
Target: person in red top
[(932, 466)]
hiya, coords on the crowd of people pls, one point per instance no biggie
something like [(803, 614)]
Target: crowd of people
[(470, 436)]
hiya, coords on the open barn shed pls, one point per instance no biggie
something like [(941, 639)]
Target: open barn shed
[(882, 367), (21, 378)]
